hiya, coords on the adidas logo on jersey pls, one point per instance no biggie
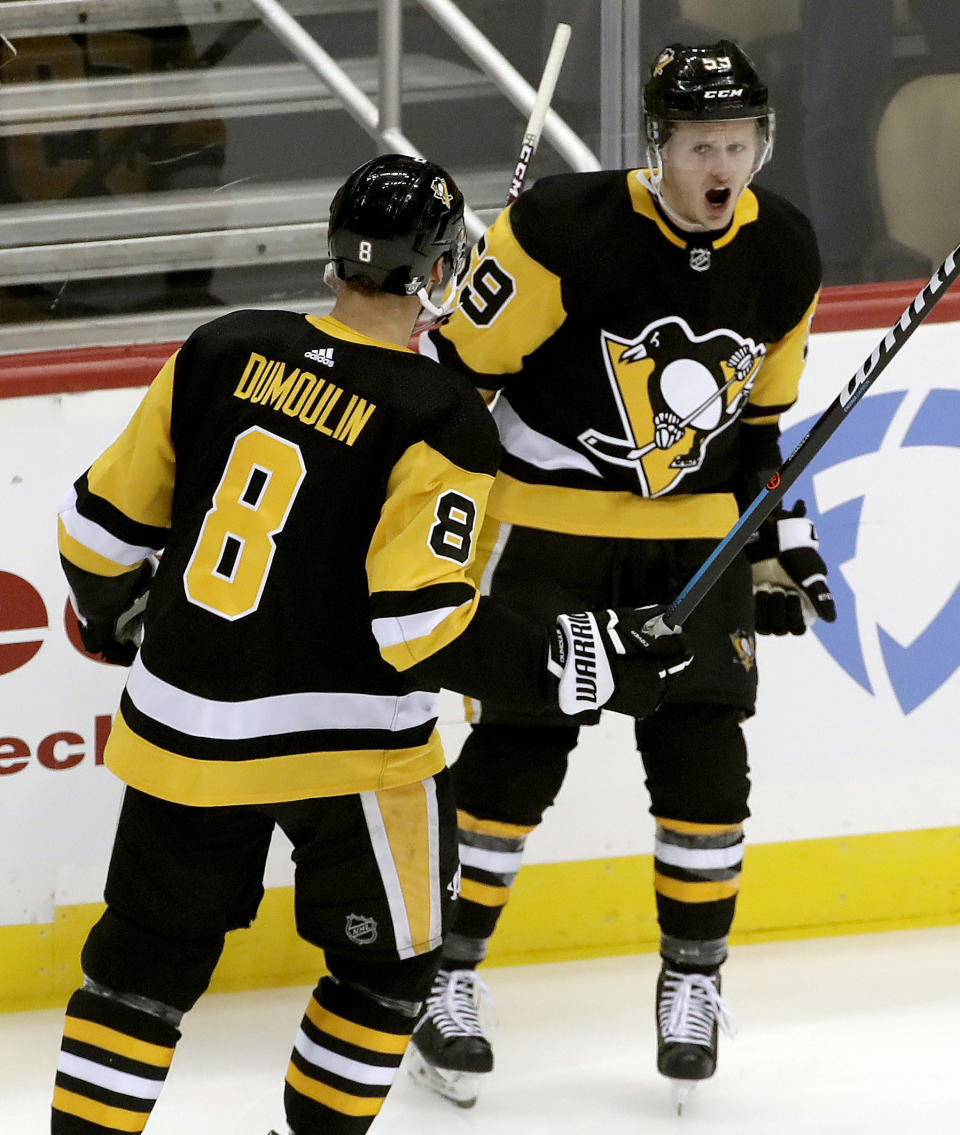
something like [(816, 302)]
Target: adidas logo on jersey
[(322, 355)]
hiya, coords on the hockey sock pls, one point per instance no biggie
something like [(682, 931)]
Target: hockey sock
[(696, 878), (491, 853), (114, 1059), (348, 1049)]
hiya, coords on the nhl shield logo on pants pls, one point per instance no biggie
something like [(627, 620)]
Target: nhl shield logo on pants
[(361, 930)]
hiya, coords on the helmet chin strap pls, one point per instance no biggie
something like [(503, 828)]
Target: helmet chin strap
[(452, 286), (331, 279), (653, 180), (428, 305)]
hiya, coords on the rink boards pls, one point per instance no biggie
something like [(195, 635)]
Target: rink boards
[(856, 798)]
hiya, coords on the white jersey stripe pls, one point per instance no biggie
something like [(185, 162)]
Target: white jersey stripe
[(97, 538), (426, 348), (388, 874), (93, 1073), (406, 628), (283, 713), (360, 1073), (433, 855), (493, 561), (702, 858), (520, 440)]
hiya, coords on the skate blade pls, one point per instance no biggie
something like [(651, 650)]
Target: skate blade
[(461, 1088), (682, 1091)]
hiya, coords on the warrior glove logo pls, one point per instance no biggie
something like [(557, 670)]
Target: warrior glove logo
[(581, 664), (674, 393)]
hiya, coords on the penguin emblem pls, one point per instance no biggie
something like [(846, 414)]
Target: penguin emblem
[(674, 391)]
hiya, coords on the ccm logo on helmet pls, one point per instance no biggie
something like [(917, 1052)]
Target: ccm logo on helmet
[(733, 93)]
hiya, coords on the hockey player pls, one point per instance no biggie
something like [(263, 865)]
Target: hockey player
[(645, 330), (316, 489)]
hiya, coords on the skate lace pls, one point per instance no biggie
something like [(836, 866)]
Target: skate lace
[(689, 1005), (453, 1007)]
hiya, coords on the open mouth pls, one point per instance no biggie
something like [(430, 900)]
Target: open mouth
[(718, 197)]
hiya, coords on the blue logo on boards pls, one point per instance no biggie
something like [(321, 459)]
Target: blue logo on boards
[(916, 670)]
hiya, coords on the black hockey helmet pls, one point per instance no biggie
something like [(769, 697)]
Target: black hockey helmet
[(392, 219), (704, 83)]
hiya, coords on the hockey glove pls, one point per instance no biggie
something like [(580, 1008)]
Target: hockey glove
[(117, 640), (609, 658), (789, 576)]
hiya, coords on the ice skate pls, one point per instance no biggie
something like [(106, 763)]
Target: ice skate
[(449, 1052), (690, 1012)]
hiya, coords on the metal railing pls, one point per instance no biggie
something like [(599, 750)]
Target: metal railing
[(234, 226), (383, 123)]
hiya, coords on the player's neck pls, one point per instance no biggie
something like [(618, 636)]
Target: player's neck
[(685, 224), (387, 318)]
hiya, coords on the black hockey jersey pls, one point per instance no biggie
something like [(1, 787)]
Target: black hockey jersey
[(632, 358), (315, 494)]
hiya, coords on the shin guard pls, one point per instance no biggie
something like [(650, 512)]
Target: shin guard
[(114, 1059)]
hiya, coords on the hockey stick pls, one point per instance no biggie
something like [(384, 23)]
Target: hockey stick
[(531, 139), (541, 104), (829, 421)]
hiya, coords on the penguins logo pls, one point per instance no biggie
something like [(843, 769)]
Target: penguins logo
[(674, 391), (666, 56), (745, 649), (441, 192)]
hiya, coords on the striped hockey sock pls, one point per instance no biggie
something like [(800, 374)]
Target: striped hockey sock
[(697, 877), (491, 853), (113, 1062), (346, 1054)]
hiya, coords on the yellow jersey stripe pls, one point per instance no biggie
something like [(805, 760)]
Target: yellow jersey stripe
[(778, 379), (528, 317), (401, 555), (102, 1036), (363, 1037), (103, 1115), (746, 211), (402, 655), (330, 326), (266, 780), (413, 843), (83, 557), (331, 1097), (586, 512), (136, 473), (642, 202)]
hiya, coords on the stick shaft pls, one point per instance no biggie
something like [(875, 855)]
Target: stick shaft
[(829, 421), (548, 81)]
